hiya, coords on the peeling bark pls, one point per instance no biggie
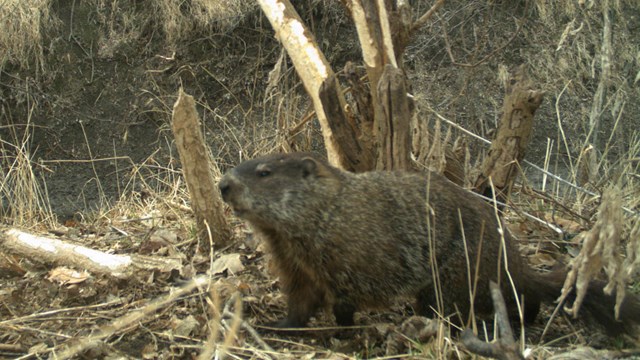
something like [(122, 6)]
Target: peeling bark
[(194, 156), (512, 137)]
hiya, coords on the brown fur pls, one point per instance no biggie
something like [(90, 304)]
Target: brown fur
[(356, 241)]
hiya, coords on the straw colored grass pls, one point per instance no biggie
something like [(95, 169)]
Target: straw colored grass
[(22, 25)]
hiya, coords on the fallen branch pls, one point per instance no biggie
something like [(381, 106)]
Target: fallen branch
[(504, 348), (53, 251), (132, 319)]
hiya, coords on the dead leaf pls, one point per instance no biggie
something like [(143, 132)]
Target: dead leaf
[(229, 262), (586, 353), (244, 288), (149, 351), (167, 235), (63, 275), (542, 259), (38, 348), (152, 245), (567, 225), (185, 327), (158, 242)]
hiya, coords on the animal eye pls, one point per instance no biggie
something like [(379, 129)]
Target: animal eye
[(263, 173)]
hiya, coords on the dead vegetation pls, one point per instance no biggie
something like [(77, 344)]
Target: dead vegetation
[(25, 201), (22, 39), (261, 107)]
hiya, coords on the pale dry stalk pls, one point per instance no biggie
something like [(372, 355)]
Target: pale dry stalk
[(600, 249), (631, 264)]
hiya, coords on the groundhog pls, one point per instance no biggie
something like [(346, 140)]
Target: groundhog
[(351, 241)]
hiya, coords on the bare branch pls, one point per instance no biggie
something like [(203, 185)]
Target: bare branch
[(424, 18)]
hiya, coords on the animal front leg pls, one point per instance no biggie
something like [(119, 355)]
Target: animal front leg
[(303, 301), (343, 311)]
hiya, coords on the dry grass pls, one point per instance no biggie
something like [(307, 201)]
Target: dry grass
[(291, 110), (180, 21), (615, 225), (154, 195), (22, 28), (561, 44), (596, 47), (25, 23), (24, 197), (600, 250)]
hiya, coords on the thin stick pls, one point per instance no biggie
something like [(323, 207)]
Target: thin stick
[(425, 17), (254, 334), (131, 319), (534, 166)]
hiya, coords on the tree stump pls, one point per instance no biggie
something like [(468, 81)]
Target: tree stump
[(512, 137), (194, 156)]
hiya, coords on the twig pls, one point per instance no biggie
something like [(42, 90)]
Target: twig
[(11, 348), (546, 197), (254, 334), (50, 250), (232, 329), (24, 319), (425, 17), (453, 60), (553, 316), (295, 128), (132, 319), (498, 202), (605, 74), (534, 166), (81, 161), (505, 348)]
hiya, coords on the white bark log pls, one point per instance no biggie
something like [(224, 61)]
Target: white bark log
[(53, 251)]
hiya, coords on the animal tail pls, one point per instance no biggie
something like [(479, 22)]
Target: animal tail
[(547, 287)]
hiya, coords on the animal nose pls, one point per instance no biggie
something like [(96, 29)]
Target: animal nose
[(225, 188)]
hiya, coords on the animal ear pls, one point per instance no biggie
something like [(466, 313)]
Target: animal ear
[(309, 166)]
